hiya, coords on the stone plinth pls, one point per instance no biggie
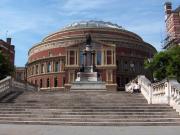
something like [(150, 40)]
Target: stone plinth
[(88, 86), (87, 76)]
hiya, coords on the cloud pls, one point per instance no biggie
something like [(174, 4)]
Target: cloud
[(72, 7), (31, 20), (80, 5), (147, 28)]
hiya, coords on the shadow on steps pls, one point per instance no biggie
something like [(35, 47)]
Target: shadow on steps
[(10, 97)]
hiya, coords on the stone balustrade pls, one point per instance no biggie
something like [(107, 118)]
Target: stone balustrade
[(5, 86), (146, 88), (160, 92), (9, 84), (166, 91), (174, 99)]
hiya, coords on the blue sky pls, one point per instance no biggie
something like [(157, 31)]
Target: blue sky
[(29, 21)]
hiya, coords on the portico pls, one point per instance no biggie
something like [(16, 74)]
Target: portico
[(88, 78)]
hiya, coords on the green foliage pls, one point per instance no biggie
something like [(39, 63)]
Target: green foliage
[(5, 67), (165, 64)]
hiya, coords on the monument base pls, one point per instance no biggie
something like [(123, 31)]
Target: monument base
[(88, 86), (87, 76)]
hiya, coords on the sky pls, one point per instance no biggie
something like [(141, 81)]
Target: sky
[(27, 22)]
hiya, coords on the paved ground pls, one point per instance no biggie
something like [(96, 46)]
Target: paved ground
[(8, 129)]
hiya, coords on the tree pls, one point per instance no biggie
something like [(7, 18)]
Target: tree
[(5, 66), (165, 64)]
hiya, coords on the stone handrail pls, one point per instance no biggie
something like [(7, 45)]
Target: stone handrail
[(160, 93), (8, 84), (24, 86), (146, 89), (166, 91), (5, 86), (174, 99), (19, 85)]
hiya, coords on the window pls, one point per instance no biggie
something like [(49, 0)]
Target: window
[(64, 81), (48, 83), (37, 69), (72, 58), (109, 57), (62, 65), (81, 58), (125, 66), (49, 53), (55, 81), (98, 57), (41, 83), (57, 67), (35, 82), (32, 70), (42, 68), (49, 67)]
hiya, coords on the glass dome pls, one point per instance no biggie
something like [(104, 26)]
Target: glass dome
[(92, 24)]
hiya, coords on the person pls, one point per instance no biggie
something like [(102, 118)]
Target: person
[(136, 87), (130, 87)]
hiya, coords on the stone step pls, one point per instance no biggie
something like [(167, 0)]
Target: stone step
[(89, 110), (86, 99), (89, 113), (92, 119), (89, 103), (67, 123), (90, 116), (84, 107)]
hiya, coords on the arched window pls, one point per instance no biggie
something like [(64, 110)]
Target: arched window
[(63, 81), (47, 83), (35, 82), (42, 68), (55, 81), (49, 67), (41, 84)]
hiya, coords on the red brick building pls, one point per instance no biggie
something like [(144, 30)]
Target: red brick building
[(119, 55), (7, 49), (20, 74), (172, 20)]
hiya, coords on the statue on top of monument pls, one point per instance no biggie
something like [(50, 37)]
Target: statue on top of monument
[(88, 39)]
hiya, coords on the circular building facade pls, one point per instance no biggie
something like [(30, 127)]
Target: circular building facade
[(119, 55)]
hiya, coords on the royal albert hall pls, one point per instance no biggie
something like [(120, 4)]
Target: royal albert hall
[(119, 55)]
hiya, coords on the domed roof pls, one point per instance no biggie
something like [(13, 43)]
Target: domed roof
[(92, 24)]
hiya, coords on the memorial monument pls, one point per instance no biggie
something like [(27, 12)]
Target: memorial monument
[(88, 78)]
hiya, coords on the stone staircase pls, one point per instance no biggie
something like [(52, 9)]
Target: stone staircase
[(85, 109)]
